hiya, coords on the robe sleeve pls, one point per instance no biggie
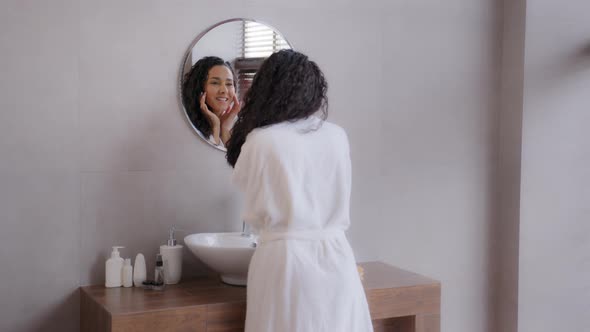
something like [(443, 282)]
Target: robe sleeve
[(249, 164), (248, 176)]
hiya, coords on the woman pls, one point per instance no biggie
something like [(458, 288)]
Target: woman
[(294, 169), (209, 97)]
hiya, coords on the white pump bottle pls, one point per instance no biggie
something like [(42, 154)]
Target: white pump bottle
[(114, 269), (172, 256)]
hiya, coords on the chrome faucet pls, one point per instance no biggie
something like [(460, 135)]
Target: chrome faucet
[(246, 233), (245, 230)]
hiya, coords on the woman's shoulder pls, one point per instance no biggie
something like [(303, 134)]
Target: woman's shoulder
[(334, 131), (335, 128), (266, 132), (277, 132), (258, 139)]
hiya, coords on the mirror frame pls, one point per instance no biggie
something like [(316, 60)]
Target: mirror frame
[(188, 52)]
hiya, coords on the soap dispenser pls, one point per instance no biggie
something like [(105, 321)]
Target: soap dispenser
[(114, 269), (172, 257)]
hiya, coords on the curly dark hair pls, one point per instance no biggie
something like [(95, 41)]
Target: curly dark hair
[(287, 87), (193, 84)]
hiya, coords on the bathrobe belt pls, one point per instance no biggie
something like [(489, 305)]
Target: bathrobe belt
[(320, 234)]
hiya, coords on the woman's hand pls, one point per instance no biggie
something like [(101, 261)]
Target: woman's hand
[(228, 119), (213, 120)]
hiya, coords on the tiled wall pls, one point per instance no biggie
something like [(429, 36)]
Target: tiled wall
[(94, 151)]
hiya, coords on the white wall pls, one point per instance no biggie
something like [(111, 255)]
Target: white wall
[(96, 152), (39, 179), (438, 151), (554, 276), (222, 41)]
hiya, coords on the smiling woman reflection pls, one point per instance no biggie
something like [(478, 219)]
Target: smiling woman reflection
[(210, 99)]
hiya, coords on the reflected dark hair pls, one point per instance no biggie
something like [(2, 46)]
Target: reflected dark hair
[(287, 87), (193, 84)]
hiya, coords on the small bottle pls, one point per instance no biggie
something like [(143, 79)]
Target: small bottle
[(139, 270), (114, 269), (159, 273), (172, 257), (127, 273)]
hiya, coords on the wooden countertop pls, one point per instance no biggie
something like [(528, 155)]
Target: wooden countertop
[(391, 292)]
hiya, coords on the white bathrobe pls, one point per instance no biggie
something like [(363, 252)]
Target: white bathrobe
[(303, 276)]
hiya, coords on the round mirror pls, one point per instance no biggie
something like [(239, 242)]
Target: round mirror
[(217, 70)]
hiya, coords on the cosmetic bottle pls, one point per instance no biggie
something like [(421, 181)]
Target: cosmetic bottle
[(139, 270), (114, 269), (172, 256), (159, 275), (127, 273)]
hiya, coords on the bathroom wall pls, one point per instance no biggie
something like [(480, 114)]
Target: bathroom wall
[(95, 152), (554, 268), (224, 41), (39, 157), (438, 148)]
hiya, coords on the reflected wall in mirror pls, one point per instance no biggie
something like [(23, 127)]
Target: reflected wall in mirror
[(217, 70)]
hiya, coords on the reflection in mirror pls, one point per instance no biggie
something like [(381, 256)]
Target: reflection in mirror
[(217, 70)]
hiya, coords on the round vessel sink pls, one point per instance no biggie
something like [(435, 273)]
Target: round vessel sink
[(228, 254)]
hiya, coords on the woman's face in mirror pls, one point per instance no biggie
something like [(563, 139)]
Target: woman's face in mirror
[(220, 89), (220, 63)]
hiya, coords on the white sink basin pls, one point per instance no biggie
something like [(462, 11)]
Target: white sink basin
[(228, 254)]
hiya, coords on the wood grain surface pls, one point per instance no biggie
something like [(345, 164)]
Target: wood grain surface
[(399, 301)]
